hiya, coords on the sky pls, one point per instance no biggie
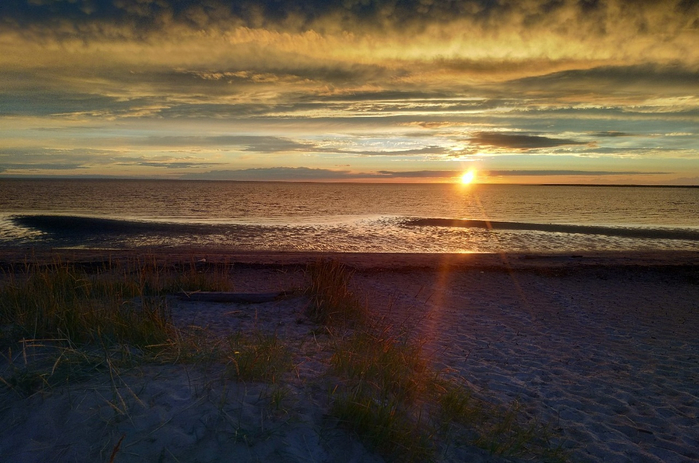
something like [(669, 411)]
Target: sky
[(531, 91)]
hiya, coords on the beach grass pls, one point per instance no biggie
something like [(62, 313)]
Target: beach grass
[(379, 394), (499, 429), (332, 301), (389, 395), (257, 357), (63, 323), (114, 304)]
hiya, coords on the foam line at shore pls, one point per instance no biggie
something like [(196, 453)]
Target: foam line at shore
[(653, 233)]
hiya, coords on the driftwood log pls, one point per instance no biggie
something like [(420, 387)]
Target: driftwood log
[(243, 298)]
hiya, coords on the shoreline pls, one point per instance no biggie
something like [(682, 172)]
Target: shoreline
[(369, 260)]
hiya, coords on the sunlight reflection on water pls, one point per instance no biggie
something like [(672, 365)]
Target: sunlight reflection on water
[(343, 218)]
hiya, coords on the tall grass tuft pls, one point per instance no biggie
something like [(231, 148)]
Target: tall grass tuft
[(113, 304), (387, 393), (73, 320), (257, 357), (383, 383), (499, 430), (61, 302), (332, 302), (153, 277), (382, 365), (386, 427)]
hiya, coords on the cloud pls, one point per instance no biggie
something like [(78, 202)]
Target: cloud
[(315, 174), (537, 173), (273, 173), (345, 79), (44, 159), (50, 159), (421, 174), (262, 143), (351, 145), (39, 166), (467, 37), (611, 134), (641, 17), (160, 164), (386, 95), (424, 151), (519, 141), (604, 83)]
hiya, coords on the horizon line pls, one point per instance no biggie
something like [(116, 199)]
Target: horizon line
[(359, 181)]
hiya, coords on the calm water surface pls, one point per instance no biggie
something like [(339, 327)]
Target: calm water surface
[(346, 217)]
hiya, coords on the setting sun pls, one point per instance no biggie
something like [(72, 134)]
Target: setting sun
[(468, 177)]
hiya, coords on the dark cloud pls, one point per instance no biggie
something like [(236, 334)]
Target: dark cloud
[(265, 144), (309, 174), (508, 173), (196, 13), (518, 141), (40, 166), (427, 150), (162, 162), (422, 106), (421, 174), (146, 15), (674, 79), (169, 165), (292, 72), (272, 174), (21, 158), (271, 144), (33, 159), (386, 95), (543, 173), (274, 145), (214, 110), (41, 102), (612, 134)]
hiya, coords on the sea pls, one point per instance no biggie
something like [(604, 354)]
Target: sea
[(345, 217)]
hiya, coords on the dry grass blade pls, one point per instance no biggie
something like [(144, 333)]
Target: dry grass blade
[(116, 449), (332, 302)]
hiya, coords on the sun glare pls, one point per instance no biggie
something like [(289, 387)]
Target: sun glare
[(468, 177)]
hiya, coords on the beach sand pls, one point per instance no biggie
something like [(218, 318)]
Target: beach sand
[(603, 347)]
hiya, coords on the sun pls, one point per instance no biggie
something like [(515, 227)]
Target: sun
[(468, 177)]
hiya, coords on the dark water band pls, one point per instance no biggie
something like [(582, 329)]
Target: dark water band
[(96, 226), (652, 233)]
